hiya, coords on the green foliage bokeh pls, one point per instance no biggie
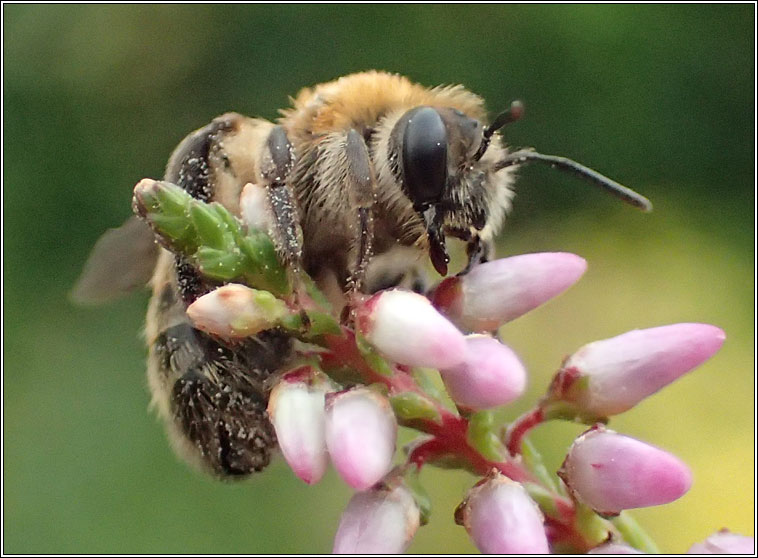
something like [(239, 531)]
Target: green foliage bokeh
[(660, 97)]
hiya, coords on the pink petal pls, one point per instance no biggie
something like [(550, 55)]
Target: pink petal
[(501, 518), (499, 291), (406, 328), (296, 409), (618, 373), (379, 521), (360, 434), (610, 472), (491, 375), (724, 542)]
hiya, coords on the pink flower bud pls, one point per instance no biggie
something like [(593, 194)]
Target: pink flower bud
[(379, 521), (360, 434), (236, 311), (724, 542), (610, 472), (501, 518), (611, 376), (254, 208), (499, 291), (614, 548), (491, 375), (296, 409), (406, 328)]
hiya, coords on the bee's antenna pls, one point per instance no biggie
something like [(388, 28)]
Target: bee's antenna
[(562, 163), (511, 114)]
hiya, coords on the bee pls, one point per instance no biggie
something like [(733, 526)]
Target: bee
[(366, 177)]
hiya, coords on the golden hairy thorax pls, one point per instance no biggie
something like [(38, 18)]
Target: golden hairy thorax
[(359, 100)]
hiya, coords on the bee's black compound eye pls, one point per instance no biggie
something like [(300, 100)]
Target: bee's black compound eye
[(424, 155)]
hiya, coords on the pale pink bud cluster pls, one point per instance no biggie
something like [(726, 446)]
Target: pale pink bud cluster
[(501, 518), (361, 431), (296, 409), (382, 520), (406, 328), (608, 377), (236, 311), (490, 375), (499, 291), (610, 472), (356, 427), (724, 542), (254, 208)]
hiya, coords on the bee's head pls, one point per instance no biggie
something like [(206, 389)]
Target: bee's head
[(446, 171), (438, 152)]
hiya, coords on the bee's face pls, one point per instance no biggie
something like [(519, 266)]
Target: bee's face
[(440, 168)]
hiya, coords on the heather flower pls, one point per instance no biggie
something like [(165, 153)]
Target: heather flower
[(724, 542), (406, 328), (490, 375), (611, 376), (360, 434), (610, 472), (382, 520), (501, 518), (499, 291), (236, 311), (296, 409)]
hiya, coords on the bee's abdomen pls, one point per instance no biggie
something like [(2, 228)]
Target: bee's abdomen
[(215, 396)]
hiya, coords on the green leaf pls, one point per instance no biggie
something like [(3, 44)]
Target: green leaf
[(482, 435)]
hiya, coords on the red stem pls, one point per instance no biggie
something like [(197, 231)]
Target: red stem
[(519, 428)]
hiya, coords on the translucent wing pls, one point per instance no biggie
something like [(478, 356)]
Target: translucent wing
[(122, 260)]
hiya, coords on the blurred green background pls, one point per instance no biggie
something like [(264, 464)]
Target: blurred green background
[(659, 97)]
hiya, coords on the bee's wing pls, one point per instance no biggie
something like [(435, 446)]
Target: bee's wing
[(122, 260)]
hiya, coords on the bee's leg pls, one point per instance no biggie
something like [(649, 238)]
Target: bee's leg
[(478, 249), (360, 182), (277, 162)]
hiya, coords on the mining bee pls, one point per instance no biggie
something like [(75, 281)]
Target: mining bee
[(366, 176)]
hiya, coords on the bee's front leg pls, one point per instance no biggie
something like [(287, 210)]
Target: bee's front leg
[(478, 249)]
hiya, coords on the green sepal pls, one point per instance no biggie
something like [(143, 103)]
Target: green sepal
[(166, 198), (177, 231), (218, 264), (211, 229), (593, 528), (533, 460), (634, 534), (545, 499), (482, 435), (319, 324), (261, 267), (430, 382), (412, 480), (413, 406), (372, 358)]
